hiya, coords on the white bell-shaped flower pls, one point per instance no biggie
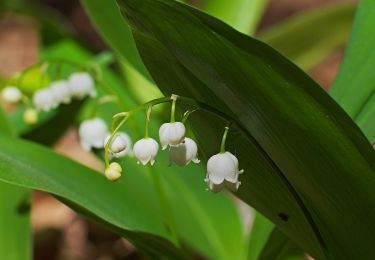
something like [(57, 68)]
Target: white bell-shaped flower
[(171, 134), (81, 85), (121, 145), (145, 150), (61, 91), (184, 153), (11, 94), (92, 133), (222, 170), (44, 99)]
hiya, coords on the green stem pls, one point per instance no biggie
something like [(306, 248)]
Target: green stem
[(224, 140), (148, 115), (187, 114), (173, 109), (165, 206), (101, 101)]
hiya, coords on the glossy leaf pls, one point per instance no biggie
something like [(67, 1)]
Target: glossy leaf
[(15, 226), (309, 37), (279, 247), (243, 15), (30, 165), (354, 89), (299, 149), (260, 232)]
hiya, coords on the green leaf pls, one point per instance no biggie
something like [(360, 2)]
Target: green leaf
[(244, 15), (309, 37), (126, 205), (354, 89), (114, 30), (260, 231), (279, 247), (15, 226), (299, 149)]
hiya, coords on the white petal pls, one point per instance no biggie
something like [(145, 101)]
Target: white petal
[(183, 153), (11, 94), (171, 134), (81, 85), (44, 99), (93, 132), (61, 91), (145, 150)]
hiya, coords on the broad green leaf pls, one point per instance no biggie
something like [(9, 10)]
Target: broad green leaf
[(244, 15), (299, 149), (309, 37), (200, 217), (354, 87), (114, 30), (15, 226), (125, 204), (279, 247), (260, 231)]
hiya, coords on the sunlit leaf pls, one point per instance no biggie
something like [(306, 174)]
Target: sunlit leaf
[(354, 88), (309, 37), (243, 15)]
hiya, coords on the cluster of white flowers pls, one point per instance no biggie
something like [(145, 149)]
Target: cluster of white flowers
[(183, 150), (79, 85), (222, 168)]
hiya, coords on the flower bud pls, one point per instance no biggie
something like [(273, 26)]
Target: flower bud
[(44, 99), (61, 91), (81, 85), (145, 150), (11, 94), (184, 153), (171, 134), (222, 169), (92, 133), (113, 172), (30, 116)]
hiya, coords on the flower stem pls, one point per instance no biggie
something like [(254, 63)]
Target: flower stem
[(224, 139), (173, 109), (165, 205), (148, 115)]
